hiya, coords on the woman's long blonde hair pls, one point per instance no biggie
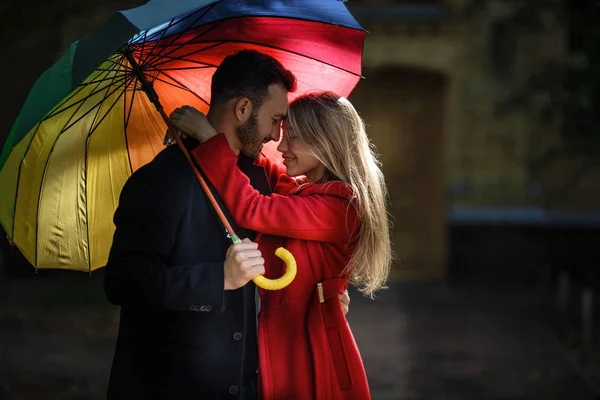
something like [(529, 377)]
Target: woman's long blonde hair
[(335, 134)]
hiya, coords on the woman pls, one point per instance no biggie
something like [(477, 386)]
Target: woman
[(332, 217)]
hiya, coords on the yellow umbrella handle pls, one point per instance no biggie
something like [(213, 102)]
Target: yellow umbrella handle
[(286, 279)]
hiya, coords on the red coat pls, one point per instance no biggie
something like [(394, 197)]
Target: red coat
[(306, 348)]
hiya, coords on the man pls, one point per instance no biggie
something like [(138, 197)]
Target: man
[(188, 311)]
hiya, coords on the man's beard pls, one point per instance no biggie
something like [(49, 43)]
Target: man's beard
[(249, 137)]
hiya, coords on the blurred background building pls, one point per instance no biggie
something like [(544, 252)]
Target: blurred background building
[(465, 102)]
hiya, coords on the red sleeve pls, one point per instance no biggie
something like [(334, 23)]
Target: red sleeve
[(273, 170), (318, 217)]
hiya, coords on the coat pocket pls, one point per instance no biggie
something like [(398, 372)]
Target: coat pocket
[(338, 357)]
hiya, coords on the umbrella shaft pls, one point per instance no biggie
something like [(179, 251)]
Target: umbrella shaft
[(148, 88)]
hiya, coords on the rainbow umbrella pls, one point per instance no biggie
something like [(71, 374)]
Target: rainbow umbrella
[(98, 114)]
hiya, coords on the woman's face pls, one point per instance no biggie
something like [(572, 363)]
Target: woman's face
[(297, 158)]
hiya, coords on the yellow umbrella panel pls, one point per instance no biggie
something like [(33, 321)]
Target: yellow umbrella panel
[(61, 183)]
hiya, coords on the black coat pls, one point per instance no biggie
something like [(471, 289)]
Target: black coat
[(181, 335)]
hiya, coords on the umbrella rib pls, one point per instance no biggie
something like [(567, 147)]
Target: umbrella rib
[(39, 193), (76, 90), (106, 79), (19, 184), (179, 68), (144, 43), (95, 126), (182, 58), (128, 114), (202, 12), (92, 128), (285, 51), (45, 167), (172, 84), (250, 42), (92, 77), (179, 46), (117, 60), (189, 90), (258, 44), (194, 53), (174, 21), (218, 23), (119, 63), (120, 67), (126, 117), (37, 225), (106, 69), (78, 102), (70, 124), (113, 56), (94, 92), (157, 41)]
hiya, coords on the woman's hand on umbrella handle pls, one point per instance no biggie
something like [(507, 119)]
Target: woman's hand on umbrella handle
[(192, 123), (286, 279)]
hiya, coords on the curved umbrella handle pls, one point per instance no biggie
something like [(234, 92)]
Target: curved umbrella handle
[(286, 279)]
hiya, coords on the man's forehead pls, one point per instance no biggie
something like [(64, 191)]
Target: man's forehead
[(278, 93), (277, 105)]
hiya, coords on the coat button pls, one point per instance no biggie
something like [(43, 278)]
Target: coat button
[(233, 389), (237, 336)]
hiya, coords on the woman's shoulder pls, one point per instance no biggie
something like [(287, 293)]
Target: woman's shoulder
[(286, 185), (331, 188)]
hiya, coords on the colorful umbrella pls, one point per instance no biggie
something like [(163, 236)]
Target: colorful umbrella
[(98, 113)]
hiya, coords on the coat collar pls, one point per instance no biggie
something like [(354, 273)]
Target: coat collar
[(332, 188)]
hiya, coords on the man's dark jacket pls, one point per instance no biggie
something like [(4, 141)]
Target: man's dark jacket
[(181, 335)]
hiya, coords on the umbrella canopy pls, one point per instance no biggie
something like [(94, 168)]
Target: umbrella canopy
[(91, 119)]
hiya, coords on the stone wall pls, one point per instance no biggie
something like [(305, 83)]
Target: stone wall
[(486, 158), (486, 155)]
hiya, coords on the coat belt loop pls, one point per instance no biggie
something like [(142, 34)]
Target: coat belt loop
[(320, 290)]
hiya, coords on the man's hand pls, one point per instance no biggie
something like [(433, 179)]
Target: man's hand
[(243, 262), (192, 123), (344, 302)]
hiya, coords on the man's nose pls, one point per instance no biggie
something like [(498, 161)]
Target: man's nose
[(282, 145), (276, 134)]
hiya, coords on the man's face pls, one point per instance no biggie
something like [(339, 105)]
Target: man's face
[(264, 124)]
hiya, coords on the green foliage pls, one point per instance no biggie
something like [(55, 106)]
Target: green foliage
[(562, 93)]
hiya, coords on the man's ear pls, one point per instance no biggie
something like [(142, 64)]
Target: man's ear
[(243, 110)]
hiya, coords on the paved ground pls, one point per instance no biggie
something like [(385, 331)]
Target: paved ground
[(418, 342), (434, 343)]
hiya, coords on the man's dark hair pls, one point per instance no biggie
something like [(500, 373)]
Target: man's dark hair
[(249, 73)]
